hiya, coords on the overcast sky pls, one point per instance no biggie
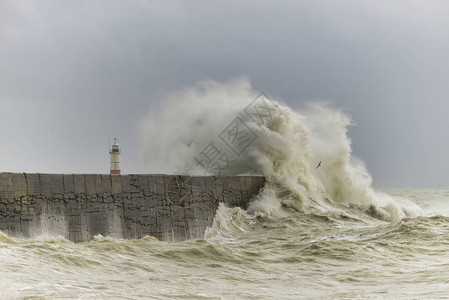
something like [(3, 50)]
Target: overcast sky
[(74, 74)]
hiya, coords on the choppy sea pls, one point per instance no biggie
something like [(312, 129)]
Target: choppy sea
[(294, 255)]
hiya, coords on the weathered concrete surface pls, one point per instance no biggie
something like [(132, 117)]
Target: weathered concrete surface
[(80, 206)]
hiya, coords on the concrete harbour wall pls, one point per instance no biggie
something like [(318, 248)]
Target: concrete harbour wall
[(80, 206)]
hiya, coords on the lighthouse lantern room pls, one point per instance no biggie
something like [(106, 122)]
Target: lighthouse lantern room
[(114, 151)]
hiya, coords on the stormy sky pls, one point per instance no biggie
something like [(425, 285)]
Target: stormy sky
[(74, 74)]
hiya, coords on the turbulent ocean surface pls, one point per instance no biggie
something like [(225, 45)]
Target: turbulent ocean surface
[(292, 255)]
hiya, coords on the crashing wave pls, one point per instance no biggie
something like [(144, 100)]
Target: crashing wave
[(228, 129)]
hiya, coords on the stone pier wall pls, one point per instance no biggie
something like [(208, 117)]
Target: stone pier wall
[(80, 206)]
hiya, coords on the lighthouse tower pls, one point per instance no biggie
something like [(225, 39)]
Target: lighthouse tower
[(115, 158)]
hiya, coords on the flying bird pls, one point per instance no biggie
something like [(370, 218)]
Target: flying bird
[(319, 165)]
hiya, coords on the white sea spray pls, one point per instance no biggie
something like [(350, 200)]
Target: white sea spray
[(286, 148)]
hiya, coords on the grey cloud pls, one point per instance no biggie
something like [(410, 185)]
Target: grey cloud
[(76, 73)]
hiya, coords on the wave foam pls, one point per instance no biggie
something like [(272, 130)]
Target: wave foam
[(285, 146)]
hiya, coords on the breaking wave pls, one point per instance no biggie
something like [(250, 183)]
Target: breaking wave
[(283, 255), (229, 129)]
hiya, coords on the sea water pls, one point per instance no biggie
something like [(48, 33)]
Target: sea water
[(248, 256)]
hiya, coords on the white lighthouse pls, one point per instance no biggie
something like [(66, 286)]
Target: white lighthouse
[(115, 158)]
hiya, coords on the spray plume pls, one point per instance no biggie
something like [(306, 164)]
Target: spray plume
[(228, 129)]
